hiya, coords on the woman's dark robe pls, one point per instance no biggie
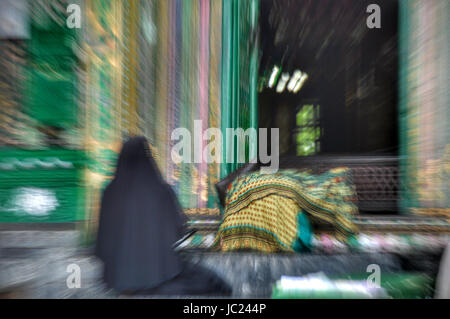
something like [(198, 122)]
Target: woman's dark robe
[(140, 220)]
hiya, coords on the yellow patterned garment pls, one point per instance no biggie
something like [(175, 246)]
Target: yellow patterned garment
[(270, 212)]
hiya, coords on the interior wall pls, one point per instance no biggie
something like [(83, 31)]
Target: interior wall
[(424, 107)]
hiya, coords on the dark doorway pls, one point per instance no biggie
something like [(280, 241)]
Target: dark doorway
[(348, 103)]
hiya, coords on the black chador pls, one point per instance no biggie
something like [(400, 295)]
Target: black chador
[(140, 220)]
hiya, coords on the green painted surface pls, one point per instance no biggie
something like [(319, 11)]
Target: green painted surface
[(240, 62), (41, 186)]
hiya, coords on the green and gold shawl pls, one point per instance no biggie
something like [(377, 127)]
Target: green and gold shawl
[(267, 212)]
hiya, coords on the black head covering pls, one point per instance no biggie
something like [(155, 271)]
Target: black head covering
[(140, 219)]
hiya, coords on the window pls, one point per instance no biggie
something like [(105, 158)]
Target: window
[(308, 130)]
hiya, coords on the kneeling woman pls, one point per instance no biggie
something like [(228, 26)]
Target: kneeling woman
[(140, 220)]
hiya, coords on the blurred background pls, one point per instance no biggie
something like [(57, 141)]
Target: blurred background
[(373, 99)]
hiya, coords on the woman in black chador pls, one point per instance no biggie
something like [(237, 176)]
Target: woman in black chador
[(140, 221)]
